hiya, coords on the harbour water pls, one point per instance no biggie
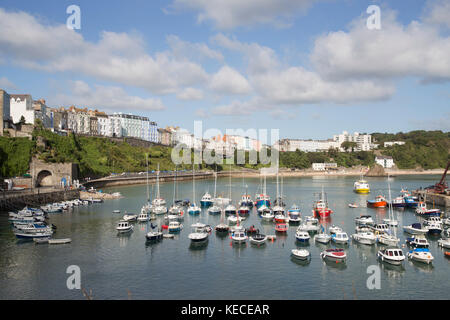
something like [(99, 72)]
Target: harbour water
[(125, 266)]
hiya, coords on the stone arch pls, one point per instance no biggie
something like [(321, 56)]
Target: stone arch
[(44, 178)]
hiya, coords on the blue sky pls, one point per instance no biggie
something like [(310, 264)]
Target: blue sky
[(310, 68)]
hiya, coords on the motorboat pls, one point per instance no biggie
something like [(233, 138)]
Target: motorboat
[(199, 233), (444, 243), (222, 228), (334, 229), (322, 237), (281, 227), (391, 222), (193, 209), (379, 202), (174, 226), (308, 227), (302, 236), (266, 213), (243, 210), (129, 217), (294, 214), (363, 228), (246, 200), (446, 222), (159, 209), (239, 237), (143, 216), (368, 238), (312, 220), (340, 237), (206, 200), (116, 211), (252, 230), (398, 202), (387, 239), (392, 256), (300, 254), (37, 227), (364, 220), (352, 205), (417, 241), (361, 186), (421, 255), (337, 255), (320, 207), (415, 228), (31, 235), (423, 211), (280, 217), (434, 228), (380, 227), (432, 220), (258, 239), (123, 226), (235, 219), (230, 209), (214, 209)]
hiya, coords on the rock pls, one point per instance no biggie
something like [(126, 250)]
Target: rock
[(376, 171)]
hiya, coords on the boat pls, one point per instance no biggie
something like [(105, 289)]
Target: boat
[(353, 205), (243, 210), (116, 211), (294, 214), (364, 220), (392, 256), (423, 211), (143, 216), (379, 202), (281, 227), (246, 200), (380, 227), (252, 230), (215, 209), (434, 228), (361, 186), (387, 239), (174, 226), (311, 220), (129, 217), (222, 227), (398, 202), (390, 222), (233, 219), (418, 241), (308, 227), (334, 229), (266, 213), (239, 237), (262, 198), (320, 207), (153, 235), (159, 209), (421, 255), (444, 243), (258, 239), (410, 201), (322, 236), (300, 254), (302, 236), (340, 237), (40, 240), (199, 233), (230, 209), (368, 238), (278, 209), (446, 222), (193, 208), (432, 220), (336, 255), (60, 241), (123, 226), (158, 201), (206, 200), (415, 228)]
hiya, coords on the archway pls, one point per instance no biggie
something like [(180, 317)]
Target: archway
[(44, 178)]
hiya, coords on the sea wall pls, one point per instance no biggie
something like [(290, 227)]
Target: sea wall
[(433, 198), (35, 198)]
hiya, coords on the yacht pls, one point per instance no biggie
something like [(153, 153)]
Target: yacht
[(199, 233)]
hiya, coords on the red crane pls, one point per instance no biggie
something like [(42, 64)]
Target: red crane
[(442, 185)]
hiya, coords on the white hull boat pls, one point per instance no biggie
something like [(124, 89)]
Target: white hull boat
[(258, 239), (322, 238), (444, 243), (392, 256), (367, 238), (421, 255), (415, 228), (300, 254)]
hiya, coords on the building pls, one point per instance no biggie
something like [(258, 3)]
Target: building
[(4, 110), (324, 166), (363, 141), (21, 105), (134, 126), (292, 145), (392, 143), (42, 112), (164, 137), (385, 161), (59, 117)]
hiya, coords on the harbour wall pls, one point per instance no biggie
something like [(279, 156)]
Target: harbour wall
[(433, 198), (35, 198)]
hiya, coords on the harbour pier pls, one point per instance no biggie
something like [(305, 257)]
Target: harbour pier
[(434, 199)]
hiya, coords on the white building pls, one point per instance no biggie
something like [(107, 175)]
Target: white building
[(324, 166), (385, 161), (305, 145), (134, 126), (363, 141), (21, 105), (391, 143), (183, 137)]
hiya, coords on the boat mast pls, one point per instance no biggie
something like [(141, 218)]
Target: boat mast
[(175, 186), (148, 195), (157, 183), (193, 183)]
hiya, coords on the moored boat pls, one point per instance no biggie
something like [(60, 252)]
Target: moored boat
[(361, 186), (379, 202), (392, 256), (300, 254), (337, 255), (421, 255)]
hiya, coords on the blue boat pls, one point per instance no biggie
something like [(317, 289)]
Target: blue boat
[(206, 200)]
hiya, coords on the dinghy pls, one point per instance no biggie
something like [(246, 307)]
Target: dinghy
[(337, 255), (258, 239), (300, 254)]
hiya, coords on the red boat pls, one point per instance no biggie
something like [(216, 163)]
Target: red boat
[(320, 209), (379, 202), (281, 227)]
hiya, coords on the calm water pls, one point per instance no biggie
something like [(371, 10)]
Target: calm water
[(111, 264)]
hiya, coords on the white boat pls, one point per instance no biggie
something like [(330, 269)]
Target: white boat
[(421, 255), (235, 219), (364, 238), (434, 228), (130, 217), (390, 222), (340, 237), (334, 229), (446, 222), (391, 255), (143, 216), (322, 238), (206, 200), (300, 254), (158, 201), (116, 211), (294, 214), (353, 205), (239, 237), (311, 220), (387, 239), (59, 241), (230, 209), (432, 220), (302, 236), (361, 186), (415, 228), (266, 213), (124, 226), (159, 209), (308, 227), (444, 243), (336, 255), (199, 233), (363, 228), (418, 241), (364, 220), (258, 239), (174, 226), (381, 228), (193, 208)]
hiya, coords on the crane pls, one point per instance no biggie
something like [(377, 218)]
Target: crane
[(442, 185)]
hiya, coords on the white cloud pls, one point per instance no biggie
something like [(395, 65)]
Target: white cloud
[(190, 94), (233, 13), (229, 81), (116, 57), (181, 48), (202, 113), (438, 13), (110, 98), (391, 52), (6, 84)]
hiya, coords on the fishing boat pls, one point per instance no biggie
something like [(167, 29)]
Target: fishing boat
[(143, 216), (320, 207), (417, 241), (153, 235), (379, 202), (199, 233), (444, 243), (415, 228), (398, 202), (365, 238), (302, 236), (123, 226), (336, 255), (281, 227), (364, 220), (300, 254), (421, 255), (294, 214), (193, 208), (423, 211), (361, 186), (246, 200), (392, 256), (174, 226), (410, 201), (129, 217), (206, 200), (258, 239), (340, 237)]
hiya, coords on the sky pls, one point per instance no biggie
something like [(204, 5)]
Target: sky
[(310, 68)]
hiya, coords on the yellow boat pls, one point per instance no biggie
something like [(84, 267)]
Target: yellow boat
[(361, 186)]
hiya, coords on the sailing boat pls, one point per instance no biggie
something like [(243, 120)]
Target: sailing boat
[(262, 199), (147, 208), (215, 209), (278, 209), (159, 204), (246, 200), (264, 210), (153, 235), (390, 221), (387, 238), (193, 208), (175, 211), (230, 208)]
